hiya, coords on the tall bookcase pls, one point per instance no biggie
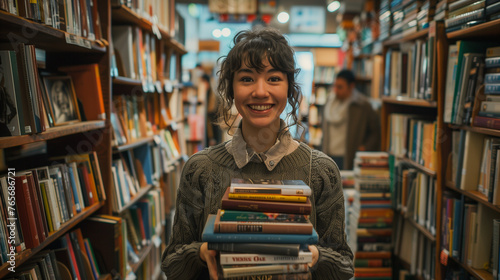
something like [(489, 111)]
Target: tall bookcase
[(430, 109), (159, 125)]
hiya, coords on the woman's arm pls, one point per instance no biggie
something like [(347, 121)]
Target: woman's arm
[(335, 257), (181, 259)]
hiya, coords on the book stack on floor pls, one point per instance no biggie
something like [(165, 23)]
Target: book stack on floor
[(352, 208), (374, 244), (263, 229)]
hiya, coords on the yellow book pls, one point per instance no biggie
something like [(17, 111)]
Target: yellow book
[(271, 197), (43, 191)]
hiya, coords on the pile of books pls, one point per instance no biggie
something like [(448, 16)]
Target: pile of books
[(263, 229), (374, 242)]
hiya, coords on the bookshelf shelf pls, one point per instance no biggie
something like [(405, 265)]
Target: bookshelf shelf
[(400, 100), (132, 145), (123, 15), (418, 166), (422, 229), (474, 195), (142, 256), (482, 130), (483, 30), (137, 197), (27, 254), (476, 273), (46, 37), (362, 79), (51, 133), (124, 81), (399, 38)]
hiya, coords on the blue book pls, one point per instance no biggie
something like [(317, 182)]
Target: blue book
[(209, 235), (75, 191), (457, 228)]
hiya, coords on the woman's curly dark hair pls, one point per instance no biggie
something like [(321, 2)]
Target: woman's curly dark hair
[(251, 47)]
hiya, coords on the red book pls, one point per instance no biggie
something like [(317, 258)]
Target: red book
[(486, 122), (265, 206), (86, 179), (37, 208), (72, 256), (26, 215)]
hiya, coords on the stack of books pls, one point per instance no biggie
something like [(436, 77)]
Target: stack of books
[(374, 243), (464, 14), (263, 229)]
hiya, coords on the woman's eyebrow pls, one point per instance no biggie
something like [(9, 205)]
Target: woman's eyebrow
[(244, 70)]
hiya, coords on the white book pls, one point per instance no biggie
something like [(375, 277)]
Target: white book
[(283, 187), (263, 269), (490, 106), (227, 258)]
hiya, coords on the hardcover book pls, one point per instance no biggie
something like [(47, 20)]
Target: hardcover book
[(238, 258), (261, 226), (209, 235), (269, 186), (265, 206)]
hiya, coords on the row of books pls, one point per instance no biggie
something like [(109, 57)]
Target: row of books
[(376, 215), (324, 74), (272, 241), (466, 13), (71, 256), (465, 101), (80, 17), (408, 70), (39, 100), (402, 18), (157, 12), (415, 250), (46, 198), (469, 149), (468, 232), (414, 195), (413, 138)]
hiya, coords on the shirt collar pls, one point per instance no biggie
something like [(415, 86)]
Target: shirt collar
[(243, 153)]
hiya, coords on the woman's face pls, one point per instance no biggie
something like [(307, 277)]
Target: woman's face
[(260, 97)]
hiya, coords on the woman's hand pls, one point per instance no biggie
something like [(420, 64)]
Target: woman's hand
[(208, 256), (315, 254)]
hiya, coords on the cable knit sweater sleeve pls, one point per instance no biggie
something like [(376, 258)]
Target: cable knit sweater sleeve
[(181, 258), (335, 258)]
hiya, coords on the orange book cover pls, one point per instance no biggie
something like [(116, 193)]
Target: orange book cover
[(87, 84)]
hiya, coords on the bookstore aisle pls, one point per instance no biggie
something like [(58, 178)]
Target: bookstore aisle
[(93, 140)]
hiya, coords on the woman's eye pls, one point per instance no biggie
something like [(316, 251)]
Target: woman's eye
[(246, 79), (274, 79)]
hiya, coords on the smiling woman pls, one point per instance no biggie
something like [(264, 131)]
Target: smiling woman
[(258, 77)]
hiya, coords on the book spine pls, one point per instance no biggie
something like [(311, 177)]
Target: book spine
[(261, 238), (26, 215), (492, 89), (236, 258), (486, 122), (281, 191), (492, 78), (256, 248), (263, 227), (491, 62), (288, 198), (248, 216), (283, 276), (265, 207), (267, 269)]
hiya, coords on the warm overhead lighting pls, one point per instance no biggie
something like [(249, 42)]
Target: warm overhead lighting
[(332, 7), (283, 17), (226, 32), (217, 33)]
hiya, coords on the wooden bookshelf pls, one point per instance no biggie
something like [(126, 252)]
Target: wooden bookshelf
[(124, 81), (400, 100), (46, 37), (418, 166), (481, 130), (133, 145), (142, 256), (474, 195), (361, 79), (142, 192), (422, 229), (27, 254), (480, 31), (480, 274), (399, 38), (51, 133)]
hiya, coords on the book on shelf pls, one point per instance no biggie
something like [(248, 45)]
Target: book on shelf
[(278, 227), (209, 235)]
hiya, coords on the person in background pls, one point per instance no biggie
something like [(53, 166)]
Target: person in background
[(349, 123), (258, 78)]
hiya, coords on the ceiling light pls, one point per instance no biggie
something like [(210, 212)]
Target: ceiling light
[(217, 33), (226, 32), (332, 7), (283, 17)]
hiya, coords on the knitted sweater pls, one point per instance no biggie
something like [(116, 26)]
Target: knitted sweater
[(207, 174)]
